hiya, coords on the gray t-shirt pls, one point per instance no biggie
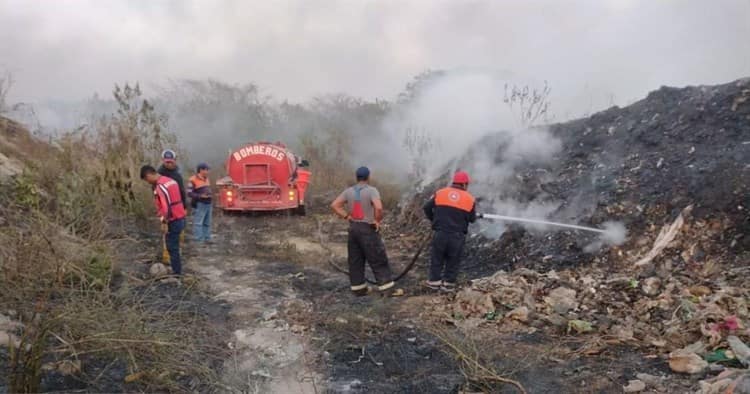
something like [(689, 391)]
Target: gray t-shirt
[(366, 195)]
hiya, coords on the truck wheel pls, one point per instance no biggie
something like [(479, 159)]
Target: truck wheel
[(300, 210)]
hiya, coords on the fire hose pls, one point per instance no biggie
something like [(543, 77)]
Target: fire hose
[(338, 268)]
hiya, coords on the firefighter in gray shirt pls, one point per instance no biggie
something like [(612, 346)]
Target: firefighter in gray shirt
[(362, 207)]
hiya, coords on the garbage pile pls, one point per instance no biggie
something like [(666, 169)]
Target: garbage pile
[(641, 165), (675, 169)]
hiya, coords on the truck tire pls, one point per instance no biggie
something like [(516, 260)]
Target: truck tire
[(300, 210)]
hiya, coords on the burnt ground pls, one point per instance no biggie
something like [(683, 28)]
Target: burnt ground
[(297, 328)]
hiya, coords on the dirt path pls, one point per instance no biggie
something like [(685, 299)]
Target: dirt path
[(270, 355), (297, 329)]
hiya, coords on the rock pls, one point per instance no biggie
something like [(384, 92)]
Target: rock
[(7, 338), (262, 373), (520, 314), (634, 386), (741, 351), (557, 320), (650, 380), (341, 320), (172, 281), (9, 167), (270, 315), (64, 367), (742, 385), (651, 286), (298, 329), (562, 299), (717, 387), (684, 361), (659, 343), (622, 333), (157, 270)]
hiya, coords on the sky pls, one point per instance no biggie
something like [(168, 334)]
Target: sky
[(593, 53)]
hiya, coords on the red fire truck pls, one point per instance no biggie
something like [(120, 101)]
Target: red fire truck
[(264, 176)]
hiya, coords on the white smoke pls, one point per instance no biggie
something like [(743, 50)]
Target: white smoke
[(469, 124)]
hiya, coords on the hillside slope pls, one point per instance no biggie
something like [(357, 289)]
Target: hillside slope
[(642, 165)]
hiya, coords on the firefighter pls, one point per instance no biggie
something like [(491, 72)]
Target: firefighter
[(450, 210), (170, 210), (364, 211), (199, 190)]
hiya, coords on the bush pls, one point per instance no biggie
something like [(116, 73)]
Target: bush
[(56, 267)]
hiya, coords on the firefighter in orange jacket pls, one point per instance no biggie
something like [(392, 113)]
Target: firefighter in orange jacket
[(171, 212), (450, 211)]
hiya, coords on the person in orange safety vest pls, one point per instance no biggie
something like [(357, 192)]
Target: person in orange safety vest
[(171, 212), (450, 210), (199, 190)]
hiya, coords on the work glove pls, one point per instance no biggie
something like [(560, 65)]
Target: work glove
[(164, 228)]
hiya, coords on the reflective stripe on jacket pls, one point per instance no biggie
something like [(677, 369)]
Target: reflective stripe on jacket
[(451, 210), (168, 199)]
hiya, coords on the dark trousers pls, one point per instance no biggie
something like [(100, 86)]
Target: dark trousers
[(446, 256), (365, 245), (173, 244)]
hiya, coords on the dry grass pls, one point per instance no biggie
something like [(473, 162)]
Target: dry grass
[(471, 357), (56, 266)]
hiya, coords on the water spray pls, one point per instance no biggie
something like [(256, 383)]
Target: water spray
[(613, 233), (512, 219)]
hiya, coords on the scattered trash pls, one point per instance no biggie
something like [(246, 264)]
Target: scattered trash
[(717, 356), (580, 326), (685, 361), (741, 351), (667, 234), (134, 377), (521, 314), (562, 299), (651, 286)]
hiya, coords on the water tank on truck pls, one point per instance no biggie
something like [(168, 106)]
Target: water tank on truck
[(264, 176)]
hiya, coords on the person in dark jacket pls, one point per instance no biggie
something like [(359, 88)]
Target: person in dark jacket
[(450, 210), (170, 169)]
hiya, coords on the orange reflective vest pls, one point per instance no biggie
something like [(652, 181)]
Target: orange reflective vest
[(199, 188), (168, 199), (454, 198)]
